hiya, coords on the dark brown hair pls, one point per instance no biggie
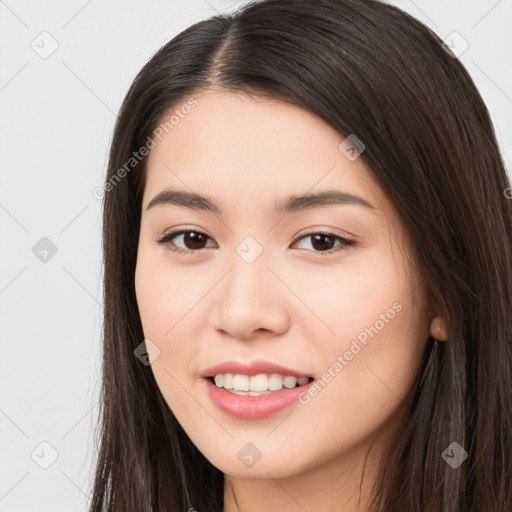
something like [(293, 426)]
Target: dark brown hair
[(369, 69)]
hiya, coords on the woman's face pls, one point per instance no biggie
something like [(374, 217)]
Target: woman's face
[(258, 282)]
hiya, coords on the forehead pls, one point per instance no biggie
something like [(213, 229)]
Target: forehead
[(235, 147)]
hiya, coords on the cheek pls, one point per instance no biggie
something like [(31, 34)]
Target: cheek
[(366, 298), (371, 353), (165, 296), (166, 299), (362, 384)]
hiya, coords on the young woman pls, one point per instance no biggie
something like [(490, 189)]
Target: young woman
[(308, 273)]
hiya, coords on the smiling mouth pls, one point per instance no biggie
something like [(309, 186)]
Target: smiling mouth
[(256, 385)]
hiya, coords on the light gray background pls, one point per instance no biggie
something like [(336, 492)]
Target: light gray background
[(57, 117)]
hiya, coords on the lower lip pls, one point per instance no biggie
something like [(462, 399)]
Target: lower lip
[(253, 407)]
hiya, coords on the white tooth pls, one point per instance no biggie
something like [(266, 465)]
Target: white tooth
[(275, 382), (249, 393), (241, 382), (228, 381), (259, 382), (235, 392), (289, 382)]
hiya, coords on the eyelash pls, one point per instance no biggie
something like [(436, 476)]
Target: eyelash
[(166, 241)]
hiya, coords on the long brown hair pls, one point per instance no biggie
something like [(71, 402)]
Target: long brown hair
[(370, 69)]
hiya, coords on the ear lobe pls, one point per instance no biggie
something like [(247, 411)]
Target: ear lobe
[(438, 329)]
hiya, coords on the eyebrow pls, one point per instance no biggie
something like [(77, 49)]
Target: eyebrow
[(291, 204)]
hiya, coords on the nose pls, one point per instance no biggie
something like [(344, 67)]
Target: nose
[(251, 301)]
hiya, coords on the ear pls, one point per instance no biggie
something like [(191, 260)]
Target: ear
[(438, 328)]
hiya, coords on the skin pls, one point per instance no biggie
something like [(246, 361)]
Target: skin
[(294, 305)]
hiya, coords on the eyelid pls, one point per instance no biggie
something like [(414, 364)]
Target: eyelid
[(185, 228), (165, 240), (328, 231)]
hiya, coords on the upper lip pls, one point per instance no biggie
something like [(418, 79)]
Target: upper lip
[(251, 368)]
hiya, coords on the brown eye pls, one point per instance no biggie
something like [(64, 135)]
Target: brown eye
[(192, 240), (325, 242), (322, 242)]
